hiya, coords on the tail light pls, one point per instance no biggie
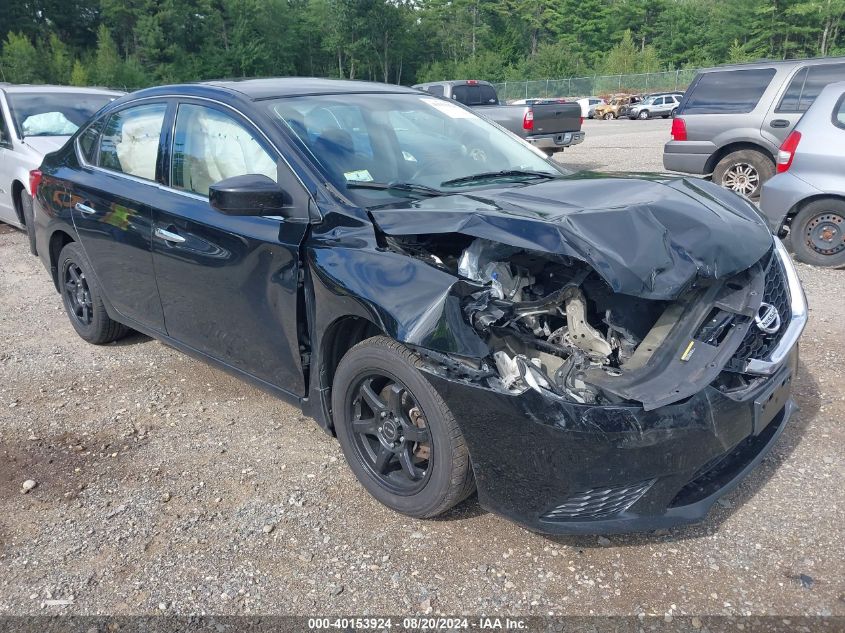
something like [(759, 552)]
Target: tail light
[(528, 120), (472, 82), (787, 152), (679, 129), (581, 120), (34, 181)]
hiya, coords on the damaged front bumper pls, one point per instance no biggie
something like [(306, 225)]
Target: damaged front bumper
[(562, 467), (559, 467)]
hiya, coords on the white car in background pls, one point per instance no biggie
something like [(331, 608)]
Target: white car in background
[(34, 121), (588, 105)]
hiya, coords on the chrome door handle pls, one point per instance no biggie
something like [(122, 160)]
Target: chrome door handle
[(168, 236), (84, 208)]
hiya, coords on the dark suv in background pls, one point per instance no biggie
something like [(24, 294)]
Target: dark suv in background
[(734, 118)]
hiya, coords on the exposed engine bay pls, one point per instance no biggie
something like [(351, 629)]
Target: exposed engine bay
[(553, 325)]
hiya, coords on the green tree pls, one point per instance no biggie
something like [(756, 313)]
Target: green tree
[(61, 63), (19, 62), (107, 62), (78, 76)]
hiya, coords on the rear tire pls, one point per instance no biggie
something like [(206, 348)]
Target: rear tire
[(380, 399), (609, 116), (744, 172), (28, 219), (817, 233), (83, 298)]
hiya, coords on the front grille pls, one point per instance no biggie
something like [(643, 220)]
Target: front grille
[(757, 344), (599, 503)]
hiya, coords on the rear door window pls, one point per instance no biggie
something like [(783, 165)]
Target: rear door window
[(88, 142), (807, 84), (130, 140), (728, 92)]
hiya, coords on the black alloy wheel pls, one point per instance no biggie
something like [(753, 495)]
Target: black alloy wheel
[(397, 433), (391, 437), (83, 299), (78, 295)]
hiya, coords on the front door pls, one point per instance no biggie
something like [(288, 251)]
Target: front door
[(112, 214), (7, 160), (229, 285)]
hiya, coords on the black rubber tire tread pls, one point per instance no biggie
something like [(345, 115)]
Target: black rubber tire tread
[(102, 329), (761, 162), (461, 483), (28, 219), (798, 226)]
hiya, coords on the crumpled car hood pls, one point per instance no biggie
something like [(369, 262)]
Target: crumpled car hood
[(647, 238)]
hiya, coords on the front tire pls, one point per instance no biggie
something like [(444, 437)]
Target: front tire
[(83, 298), (744, 172), (397, 434), (643, 115), (817, 233), (28, 219)]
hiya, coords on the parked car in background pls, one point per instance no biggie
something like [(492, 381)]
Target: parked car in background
[(805, 201), (548, 126), (588, 105), (35, 120), (659, 105), (458, 309), (611, 109), (733, 119)]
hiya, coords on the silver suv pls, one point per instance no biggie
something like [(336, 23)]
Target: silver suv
[(805, 201), (662, 105), (733, 119)]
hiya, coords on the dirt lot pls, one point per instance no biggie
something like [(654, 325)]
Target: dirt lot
[(166, 485)]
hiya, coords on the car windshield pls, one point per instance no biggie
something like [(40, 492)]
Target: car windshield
[(53, 114), (378, 146)]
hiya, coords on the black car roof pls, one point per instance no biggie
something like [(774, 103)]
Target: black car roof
[(269, 88)]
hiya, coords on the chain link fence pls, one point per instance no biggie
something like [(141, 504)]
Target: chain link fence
[(601, 85)]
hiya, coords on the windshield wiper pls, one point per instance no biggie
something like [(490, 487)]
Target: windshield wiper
[(495, 175), (407, 187)]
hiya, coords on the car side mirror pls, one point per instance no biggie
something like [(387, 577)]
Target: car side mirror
[(251, 194)]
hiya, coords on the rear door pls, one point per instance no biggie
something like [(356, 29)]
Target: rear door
[(229, 285), (111, 208), (803, 87)]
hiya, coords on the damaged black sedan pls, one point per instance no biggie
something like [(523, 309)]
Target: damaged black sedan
[(593, 354)]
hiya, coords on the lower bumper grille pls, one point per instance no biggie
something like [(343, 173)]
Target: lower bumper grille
[(599, 503)]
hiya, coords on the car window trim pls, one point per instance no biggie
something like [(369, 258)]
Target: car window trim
[(837, 106), (787, 85), (313, 207), (167, 174), (106, 118)]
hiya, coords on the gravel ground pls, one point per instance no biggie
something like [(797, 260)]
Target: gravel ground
[(620, 145), (164, 485)]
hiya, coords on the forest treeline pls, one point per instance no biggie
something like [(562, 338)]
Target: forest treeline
[(133, 43)]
